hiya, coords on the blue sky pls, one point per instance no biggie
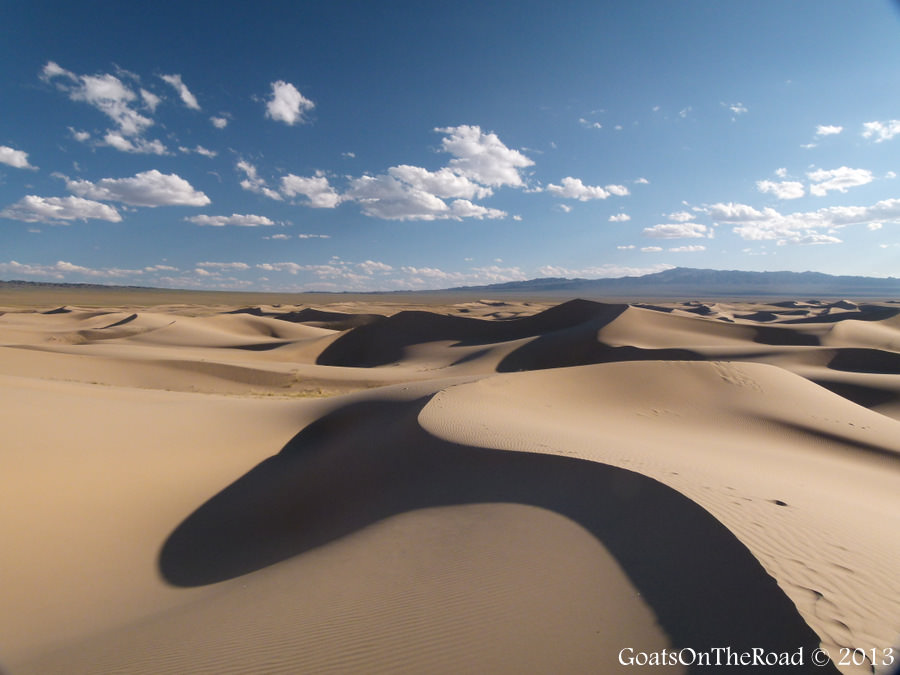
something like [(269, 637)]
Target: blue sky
[(410, 145)]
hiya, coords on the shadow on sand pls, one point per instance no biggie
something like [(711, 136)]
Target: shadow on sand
[(369, 461)]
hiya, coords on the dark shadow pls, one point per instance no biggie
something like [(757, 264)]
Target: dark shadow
[(862, 360), (864, 313), (383, 342), (58, 310), (868, 397), (369, 461), (772, 335), (259, 347), (127, 319)]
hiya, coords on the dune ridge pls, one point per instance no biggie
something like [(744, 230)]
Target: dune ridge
[(487, 485)]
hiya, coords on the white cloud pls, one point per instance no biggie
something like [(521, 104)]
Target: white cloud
[(681, 216), (34, 209), (282, 237), (136, 145), (290, 267), (105, 92), (875, 226), (313, 236), (574, 188), (736, 108), (651, 249), (629, 247), (837, 179), (372, 267), (80, 136), (881, 131), (642, 181), (828, 130), (602, 271), (463, 208), (150, 99), (787, 189), (224, 265), (565, 208), (588, 124), (386, 197), (219, 122), (14, 158), (348, 155), (890, 175), (186, 96), (234, 219), (483, 157), (676, 231), (149, 188), (253, 183), (442, 183), (316, 189), (62, 269), (801, 227), (781, 173), (619, 218), (687, 249), (287, 104)]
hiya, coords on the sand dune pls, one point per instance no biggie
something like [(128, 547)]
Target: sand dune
[(479, 486)]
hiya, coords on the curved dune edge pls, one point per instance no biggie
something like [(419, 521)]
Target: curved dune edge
[(370, 545), (804, 478)]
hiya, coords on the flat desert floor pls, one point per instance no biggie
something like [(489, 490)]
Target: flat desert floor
[(482, 486)]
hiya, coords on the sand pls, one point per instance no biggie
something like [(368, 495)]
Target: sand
[(466, 485)]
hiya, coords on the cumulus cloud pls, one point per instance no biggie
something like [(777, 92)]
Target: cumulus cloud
[(234, 219), (254, 183), (106, 92), (313, 236), (14, 158), (483, 157), (149, 188), (602, 271), (651, 249), (642, 181), (681, 216), (219, 122), (34, 209), (588, 124), (442, 183), (619, 218), (287, 104), (316, 189), (811, 227), (839, 179), (676, 231), (186, 96), (828, 130), (881, 131), (574, 188), (787, 189), (386, 197)]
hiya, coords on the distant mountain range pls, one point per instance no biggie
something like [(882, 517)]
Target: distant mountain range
[(686, 282), (680, 282)]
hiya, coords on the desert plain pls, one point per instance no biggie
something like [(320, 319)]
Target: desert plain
[(445, 484)]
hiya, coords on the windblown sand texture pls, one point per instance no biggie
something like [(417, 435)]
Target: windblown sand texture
[(486, 486)]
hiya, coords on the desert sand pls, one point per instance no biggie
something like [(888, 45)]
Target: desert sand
[(469, 485)]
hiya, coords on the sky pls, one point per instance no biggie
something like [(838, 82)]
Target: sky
[(362, 146)]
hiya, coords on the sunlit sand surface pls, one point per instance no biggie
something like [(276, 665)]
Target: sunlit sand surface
[(463, 485)]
